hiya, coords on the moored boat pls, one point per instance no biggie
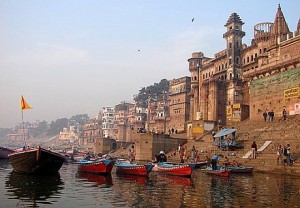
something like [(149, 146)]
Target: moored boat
[(239, 169), (4, 152), (178, 169), (103, 166), (200, 164), (36, 161), (126, 167), (220, 171)]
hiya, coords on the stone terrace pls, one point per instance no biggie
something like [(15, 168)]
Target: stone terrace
[(279, 132)]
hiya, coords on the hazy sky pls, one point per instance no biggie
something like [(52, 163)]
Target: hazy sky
[(68, 57)]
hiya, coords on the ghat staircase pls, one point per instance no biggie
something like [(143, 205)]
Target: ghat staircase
[(267, 135)]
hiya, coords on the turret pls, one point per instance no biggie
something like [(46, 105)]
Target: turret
[(279, 29), (233, 38)]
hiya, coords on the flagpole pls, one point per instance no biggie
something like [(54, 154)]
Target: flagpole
[(23, 128), (24, 106)]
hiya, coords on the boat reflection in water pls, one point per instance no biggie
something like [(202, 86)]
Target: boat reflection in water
[(175, 180), (104, 181), (136, 179), (32, 190)]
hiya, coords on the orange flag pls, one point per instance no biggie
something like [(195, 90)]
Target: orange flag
[(24, 105)]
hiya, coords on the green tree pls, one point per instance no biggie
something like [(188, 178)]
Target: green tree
[(57, 126), (156, 91)]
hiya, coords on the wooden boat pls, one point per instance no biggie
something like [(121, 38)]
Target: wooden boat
[(239, 169), (125, 167), (178, 169), (103, 166), (4, 152), (36, 161), (220, 171), (200, 164)]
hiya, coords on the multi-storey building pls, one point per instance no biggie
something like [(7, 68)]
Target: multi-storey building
[(240, 81), (90, 132), (107, 115), (121, 120), (158, 114), (179, 103)]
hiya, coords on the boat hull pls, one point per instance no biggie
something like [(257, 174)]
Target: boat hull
[(133, 169), (200, 164), (239, 169), (36, 161), (224, 173), (4, 152), (96, 167), (174, 169)]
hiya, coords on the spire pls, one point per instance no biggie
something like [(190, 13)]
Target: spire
[(280, 26), (298, 26), (234, 17)]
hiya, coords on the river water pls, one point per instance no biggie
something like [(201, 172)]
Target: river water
[(70, 189)]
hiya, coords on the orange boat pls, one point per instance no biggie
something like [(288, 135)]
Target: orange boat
[(178, 169), (219, 172)]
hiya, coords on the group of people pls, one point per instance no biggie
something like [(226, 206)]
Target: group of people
[(284, 151), (271, 115)]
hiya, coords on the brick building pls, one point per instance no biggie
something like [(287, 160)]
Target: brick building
[(179, 103), (241, 81)]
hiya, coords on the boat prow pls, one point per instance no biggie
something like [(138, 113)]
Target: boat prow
[(36, 161)]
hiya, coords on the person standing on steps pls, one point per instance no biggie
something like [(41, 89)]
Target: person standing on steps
[(265, 115), (254, 149), (279, 154), (271, 115), (284, 114)]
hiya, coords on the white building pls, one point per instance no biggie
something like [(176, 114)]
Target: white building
[(108, 119)]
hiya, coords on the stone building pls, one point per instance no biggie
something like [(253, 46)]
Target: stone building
[(271, 68), (90, 132), (137, 117), (179, 103), (158, 114), (121, 120), (240, 81)]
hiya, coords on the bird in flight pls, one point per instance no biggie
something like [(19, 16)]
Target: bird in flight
[(193, 19), (139, 50)]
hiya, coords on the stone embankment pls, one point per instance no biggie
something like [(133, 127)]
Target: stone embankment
[(278, 132)]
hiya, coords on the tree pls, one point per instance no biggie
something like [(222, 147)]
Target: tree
[(57, 126), (155, 91)]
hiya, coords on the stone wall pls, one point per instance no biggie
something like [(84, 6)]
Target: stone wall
[(268, 93), (147, 145)]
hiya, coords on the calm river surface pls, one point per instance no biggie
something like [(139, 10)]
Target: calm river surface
[(70, 189)]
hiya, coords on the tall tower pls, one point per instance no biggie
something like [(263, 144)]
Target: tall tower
[(233, 37), (195, 65)]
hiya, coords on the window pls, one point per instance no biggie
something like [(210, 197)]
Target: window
[(230, 45)]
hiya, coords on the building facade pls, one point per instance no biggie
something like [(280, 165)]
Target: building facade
[(107, 115), (232, 86), (179, 103)]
